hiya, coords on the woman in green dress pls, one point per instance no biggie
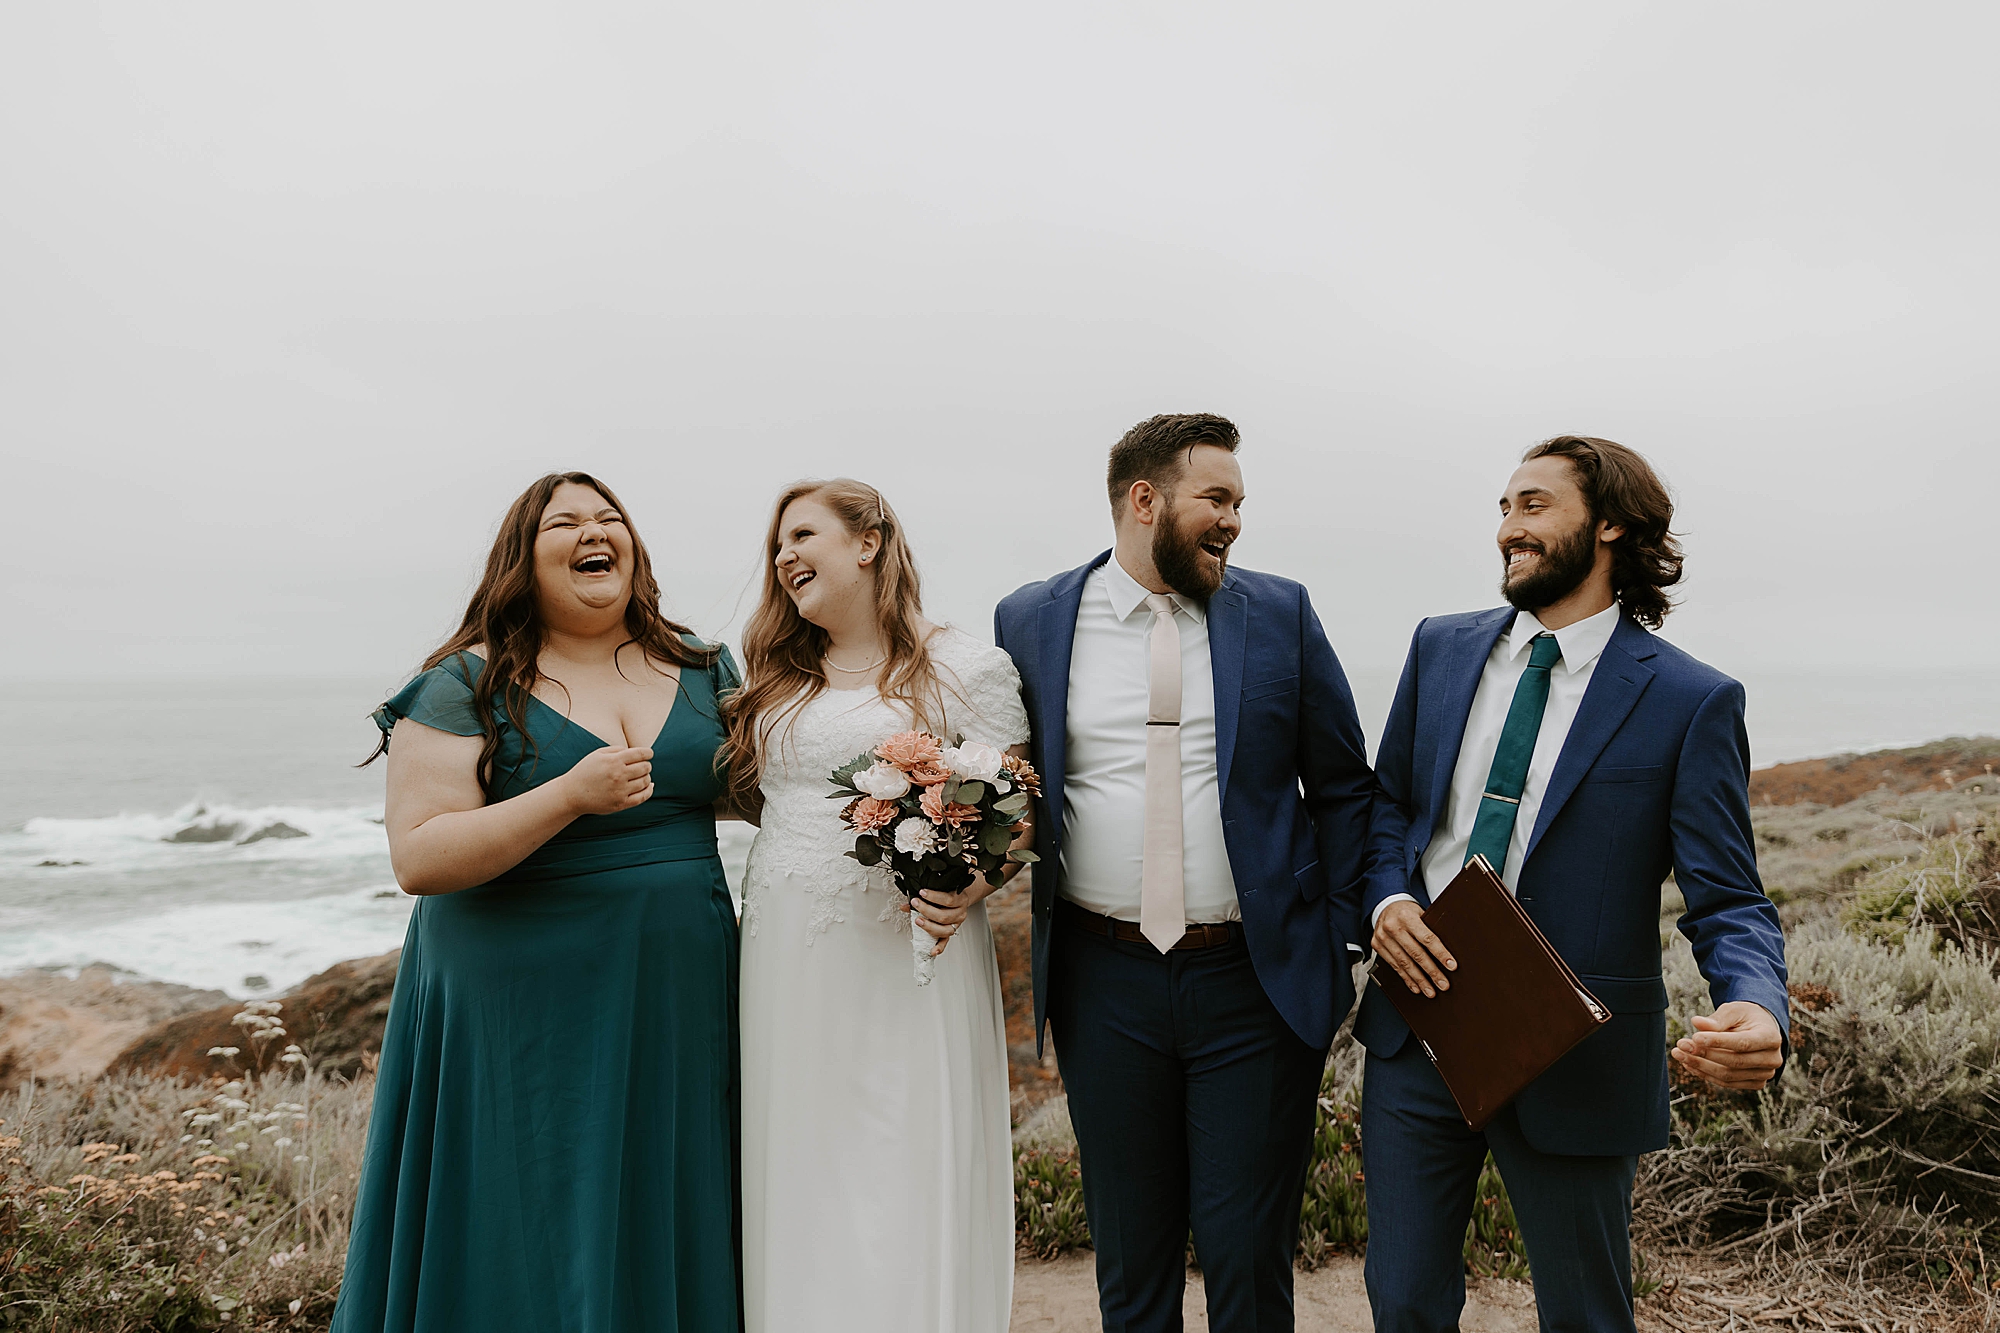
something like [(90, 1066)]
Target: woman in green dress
[(554, 1136)]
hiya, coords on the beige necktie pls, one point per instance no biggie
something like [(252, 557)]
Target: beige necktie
[(1162, 893)]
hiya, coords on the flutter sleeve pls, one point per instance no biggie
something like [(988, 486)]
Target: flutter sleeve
[(724, 672), (440, 698), (993, 689)]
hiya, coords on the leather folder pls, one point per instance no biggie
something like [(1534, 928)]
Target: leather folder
[(1514, 1007)]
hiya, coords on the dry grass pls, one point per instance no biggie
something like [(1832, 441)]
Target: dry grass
[(137, 1203)]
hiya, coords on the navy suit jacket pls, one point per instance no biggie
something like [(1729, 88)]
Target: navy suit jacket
[(1291, 762), (1653, 778)]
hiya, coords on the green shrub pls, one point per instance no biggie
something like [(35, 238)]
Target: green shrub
[(142, 1205), (1880, 1143), (1949, 882)]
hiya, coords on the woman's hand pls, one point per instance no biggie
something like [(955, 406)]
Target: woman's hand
[(609, 780), (941, 914)]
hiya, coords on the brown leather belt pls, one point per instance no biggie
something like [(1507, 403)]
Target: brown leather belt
[(1205, 936)]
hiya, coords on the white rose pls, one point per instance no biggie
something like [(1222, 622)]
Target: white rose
[(885, 782), (916, 837), (973, 761)]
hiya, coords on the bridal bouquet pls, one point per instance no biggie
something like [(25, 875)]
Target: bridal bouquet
[(938, 814)]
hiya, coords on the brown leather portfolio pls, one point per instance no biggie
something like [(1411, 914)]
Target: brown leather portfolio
[(1514, 1007)]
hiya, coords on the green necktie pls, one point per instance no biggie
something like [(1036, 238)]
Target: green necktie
[(1493, 830)]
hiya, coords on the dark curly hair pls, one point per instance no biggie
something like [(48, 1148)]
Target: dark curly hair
[(1621, 487)]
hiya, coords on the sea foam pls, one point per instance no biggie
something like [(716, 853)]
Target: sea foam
[(241, 948)]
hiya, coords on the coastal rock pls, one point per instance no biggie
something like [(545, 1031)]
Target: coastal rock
[(337, 1016), (54, 1026), (211, 830), (276, 829)]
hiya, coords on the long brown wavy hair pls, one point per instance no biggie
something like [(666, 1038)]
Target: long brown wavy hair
[(504, 617), (1621, 487), (782, 649)]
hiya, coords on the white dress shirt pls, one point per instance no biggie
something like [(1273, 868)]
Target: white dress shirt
[(1104, 774), (1582, 644)]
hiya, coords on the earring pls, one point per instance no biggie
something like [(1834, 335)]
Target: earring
[(866, 558)]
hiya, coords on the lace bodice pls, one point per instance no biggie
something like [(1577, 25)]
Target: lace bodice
[(801, 843)]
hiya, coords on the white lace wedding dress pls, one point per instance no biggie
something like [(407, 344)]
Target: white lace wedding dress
[(877, 1159)]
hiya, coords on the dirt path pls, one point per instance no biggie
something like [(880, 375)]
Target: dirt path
[(1061, 1297)]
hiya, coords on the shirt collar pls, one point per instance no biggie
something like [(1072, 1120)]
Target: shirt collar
[(1581, 643), (1128, 596)]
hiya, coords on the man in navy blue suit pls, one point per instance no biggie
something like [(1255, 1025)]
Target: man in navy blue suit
[(1203, 825), (1586, 759)]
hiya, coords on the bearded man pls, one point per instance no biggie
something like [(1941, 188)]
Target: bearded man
[(1202, 826), (1586, 759)]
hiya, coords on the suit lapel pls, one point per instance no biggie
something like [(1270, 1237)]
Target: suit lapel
[(1615, 686), (1057, 635), (1471, 644), (1228, 620)]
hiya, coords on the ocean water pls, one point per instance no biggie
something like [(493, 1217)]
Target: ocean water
[(215, 833)]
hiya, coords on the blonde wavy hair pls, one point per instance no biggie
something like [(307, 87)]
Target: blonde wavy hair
[(782, 650)]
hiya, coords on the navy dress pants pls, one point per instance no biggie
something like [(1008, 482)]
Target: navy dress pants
[(1423, 1166), (1193, 1105)]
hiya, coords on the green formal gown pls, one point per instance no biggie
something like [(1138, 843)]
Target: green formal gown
[(553, 1147)]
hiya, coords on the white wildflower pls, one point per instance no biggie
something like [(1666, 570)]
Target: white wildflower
[(282, 1143), (296, 1306)]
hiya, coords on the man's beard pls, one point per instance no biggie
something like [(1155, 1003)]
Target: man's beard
[(1560, 571), (1183, 565)]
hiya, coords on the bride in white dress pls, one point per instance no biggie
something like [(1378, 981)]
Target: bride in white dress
[(877, 1158)]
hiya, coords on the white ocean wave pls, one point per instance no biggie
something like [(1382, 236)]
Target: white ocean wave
[(199, 834), (243, 948)]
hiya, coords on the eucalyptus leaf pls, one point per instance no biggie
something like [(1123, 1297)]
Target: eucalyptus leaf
[(1012, 805), (995, 838), (1024, 856), (970, 793), (868, 851)]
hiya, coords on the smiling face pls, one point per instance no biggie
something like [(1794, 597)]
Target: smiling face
[(583, 556), (1197, 519), (826, 570), (1549, 543)]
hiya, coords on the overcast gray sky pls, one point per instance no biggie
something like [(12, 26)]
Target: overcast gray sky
[(294, 299)]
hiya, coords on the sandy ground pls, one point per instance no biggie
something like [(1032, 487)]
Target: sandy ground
[(1061, 1297), (54, 1026)]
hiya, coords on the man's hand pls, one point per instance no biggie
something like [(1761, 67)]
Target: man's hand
[(1418, 956), (1737, 1049)]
